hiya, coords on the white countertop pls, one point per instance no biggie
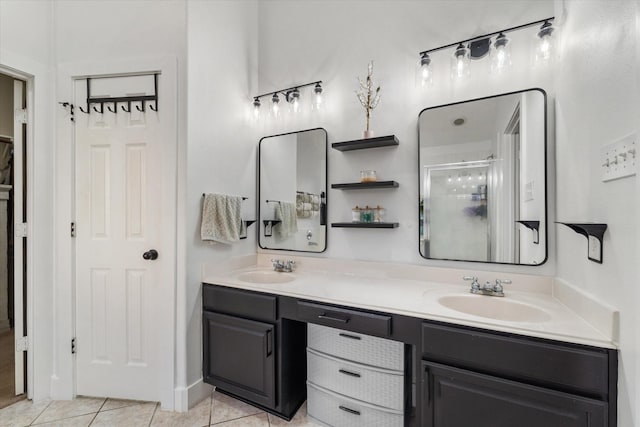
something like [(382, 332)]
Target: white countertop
[(414, 291)]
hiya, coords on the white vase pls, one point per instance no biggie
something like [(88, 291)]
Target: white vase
[(368, 134)]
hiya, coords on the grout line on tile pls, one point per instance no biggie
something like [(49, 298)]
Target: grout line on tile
[(240, 418), (40, 413), (68, 418), (155, 409)]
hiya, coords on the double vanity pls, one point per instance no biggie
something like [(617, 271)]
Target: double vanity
[(389, 344)]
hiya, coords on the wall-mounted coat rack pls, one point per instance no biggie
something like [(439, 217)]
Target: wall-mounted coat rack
[(594, 234), (93, 102), (533, 226)]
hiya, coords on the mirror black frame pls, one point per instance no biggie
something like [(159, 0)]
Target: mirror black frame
[(546, 177), (326, 186)]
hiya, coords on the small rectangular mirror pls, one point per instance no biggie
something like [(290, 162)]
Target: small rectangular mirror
[(483, 180), (292, 191)]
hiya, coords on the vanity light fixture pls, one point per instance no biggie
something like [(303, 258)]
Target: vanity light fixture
[(317, 96), (500, 54), (460, 62), (545, 42), (275, 106), (292, 95), (476, 48)]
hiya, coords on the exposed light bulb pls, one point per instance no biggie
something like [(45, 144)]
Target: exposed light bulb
[(460, 65), (500, 54), (545, 43), (426, 73), (317, 97), (256, 109), (275, 105), (293, 97)]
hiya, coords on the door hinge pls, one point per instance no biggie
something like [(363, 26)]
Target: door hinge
[(73, 346), (21, 229), (22, 344), (73, 229), (20, 115)]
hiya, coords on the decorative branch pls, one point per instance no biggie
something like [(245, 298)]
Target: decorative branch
[(368, 96)]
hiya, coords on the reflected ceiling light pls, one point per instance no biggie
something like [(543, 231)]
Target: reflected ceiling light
[(477, 48), (292, 95)]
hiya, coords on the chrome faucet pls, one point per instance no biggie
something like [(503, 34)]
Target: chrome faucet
[(283, 266), (490, 289)]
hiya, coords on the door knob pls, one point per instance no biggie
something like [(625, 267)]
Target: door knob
[(150, 255)]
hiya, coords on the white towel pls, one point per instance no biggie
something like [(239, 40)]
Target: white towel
[(221, 218), (286, 213)]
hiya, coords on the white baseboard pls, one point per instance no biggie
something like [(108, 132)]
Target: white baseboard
[(188, 397)]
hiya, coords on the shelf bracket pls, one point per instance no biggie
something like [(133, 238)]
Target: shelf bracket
[(533, 226), (594, 234)]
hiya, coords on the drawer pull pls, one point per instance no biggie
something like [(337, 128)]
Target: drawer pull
[(335, 319), (351, 374), (351, 411), (353, 337)]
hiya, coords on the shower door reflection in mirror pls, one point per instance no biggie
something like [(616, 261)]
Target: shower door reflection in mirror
[(483, 180)]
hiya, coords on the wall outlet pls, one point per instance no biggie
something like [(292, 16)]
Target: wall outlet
[(618, 159), (595, 249)]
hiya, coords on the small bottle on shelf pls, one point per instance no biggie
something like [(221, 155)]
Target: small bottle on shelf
[(356, 214), (378, 214)]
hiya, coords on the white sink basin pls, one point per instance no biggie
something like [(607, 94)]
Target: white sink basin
[(265, 277), (494, 308)]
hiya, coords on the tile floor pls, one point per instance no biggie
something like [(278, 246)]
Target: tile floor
[(218, 410)]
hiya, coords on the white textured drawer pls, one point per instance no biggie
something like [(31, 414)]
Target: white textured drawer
[(378, 386), (338, 411), (360, 348)]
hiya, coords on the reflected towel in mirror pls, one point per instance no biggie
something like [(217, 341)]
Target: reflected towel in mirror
[(286, 213)]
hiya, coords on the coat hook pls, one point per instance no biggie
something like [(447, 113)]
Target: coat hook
[(114, 109), (82, 109), (154, 109), (140, 109), (128, 109), (101, 110)]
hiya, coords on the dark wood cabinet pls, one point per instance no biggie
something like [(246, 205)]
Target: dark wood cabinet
[(240, 357), (455, 397), (250, 352)]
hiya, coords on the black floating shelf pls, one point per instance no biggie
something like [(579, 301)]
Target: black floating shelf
[(594, 234), (363, 185), (365, 224), (361, 144), (535, 227)]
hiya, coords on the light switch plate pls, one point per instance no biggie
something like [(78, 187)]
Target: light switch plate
[(618, 159)]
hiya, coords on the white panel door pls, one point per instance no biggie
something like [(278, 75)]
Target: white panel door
[(121, 298)]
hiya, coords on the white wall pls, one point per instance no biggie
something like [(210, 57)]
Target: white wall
[(222, 146), (333, 41), (597, 102), (26, 46)]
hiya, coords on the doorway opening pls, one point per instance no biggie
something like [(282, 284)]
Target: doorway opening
[(12, 249)]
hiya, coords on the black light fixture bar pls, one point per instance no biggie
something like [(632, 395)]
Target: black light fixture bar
[(285, 91), (519, 27)]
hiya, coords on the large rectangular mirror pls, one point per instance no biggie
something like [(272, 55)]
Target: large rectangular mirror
[(292, 191), (482, 166)]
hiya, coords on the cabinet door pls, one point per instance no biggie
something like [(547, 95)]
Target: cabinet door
[(458, 398), (239, 357)]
